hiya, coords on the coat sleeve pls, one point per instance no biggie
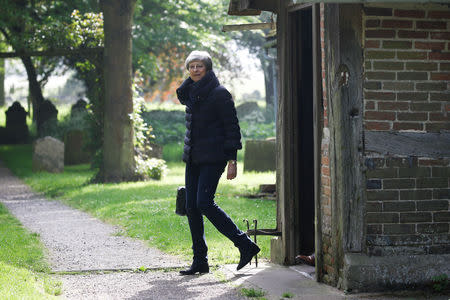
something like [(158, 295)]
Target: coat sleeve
[(228, 116)]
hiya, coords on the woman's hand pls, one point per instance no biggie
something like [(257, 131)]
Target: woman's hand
[(232, 169)]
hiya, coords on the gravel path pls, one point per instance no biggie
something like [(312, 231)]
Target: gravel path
[(77, 242)]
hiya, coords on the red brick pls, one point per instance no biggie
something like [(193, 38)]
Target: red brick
[(431, 25), (433, 162), (388, 65), (440, 36), (431, 86), (429, 45), (439, 96), (437, 127), (440, 76), (377, 115), (403, 13), (372, 44), (372, 23), (413, 96), (396, 24), (412, 34), (421, 66), (445, 66), (380, 75), (398, 86), (372, 85), (408, 126), (426, 106), (439, 117), (447, 107), (379, 96), (326, 190), (393, 106), (411, 55), (377, 11), (412, 76), (380, 33), (406, 116), (379, 54), (439, 55), (382, 126), (325, 171), (397, 44), (439, 14), (370, 105)]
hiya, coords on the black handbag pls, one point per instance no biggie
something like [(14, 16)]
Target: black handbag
[(180, 208)]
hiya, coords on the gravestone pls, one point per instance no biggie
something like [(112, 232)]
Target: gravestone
[(48, 118), (260, 155), (48, 155), (156, 152), (250, 111), (75, 151), (78, 108), (16, 124)]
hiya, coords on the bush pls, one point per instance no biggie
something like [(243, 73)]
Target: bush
[(257, 131), (152, 168), (146, 167), (173, 152), (168, 125)]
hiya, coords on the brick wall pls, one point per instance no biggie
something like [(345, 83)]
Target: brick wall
[(325, 188), (407, 69), (407, 87), (407, 205)]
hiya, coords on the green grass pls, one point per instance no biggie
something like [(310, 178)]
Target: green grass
[(145, 210), (287, 295), (252, 293), (23, 269)]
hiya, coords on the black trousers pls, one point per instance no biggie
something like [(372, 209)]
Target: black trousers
[(201, 184)]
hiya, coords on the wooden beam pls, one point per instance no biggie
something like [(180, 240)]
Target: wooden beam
[(427, 144), (53, 52), (266, 5), (251, 26)]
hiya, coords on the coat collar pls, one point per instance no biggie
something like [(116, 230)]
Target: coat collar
[(191, 92)]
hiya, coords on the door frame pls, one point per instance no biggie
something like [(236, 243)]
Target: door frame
[(287, 157)]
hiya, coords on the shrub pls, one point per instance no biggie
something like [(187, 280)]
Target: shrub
[(146, 167), (153, 168), (257, 131), (168, 125)]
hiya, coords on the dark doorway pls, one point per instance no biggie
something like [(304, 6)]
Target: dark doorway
[(302, 91)]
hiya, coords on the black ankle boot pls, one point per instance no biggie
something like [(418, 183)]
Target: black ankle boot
[(196, 268), (247, 254)]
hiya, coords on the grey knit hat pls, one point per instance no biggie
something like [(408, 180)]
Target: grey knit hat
[(202, 56)]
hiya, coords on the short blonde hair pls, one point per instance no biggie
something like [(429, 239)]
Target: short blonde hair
[(202, 56)]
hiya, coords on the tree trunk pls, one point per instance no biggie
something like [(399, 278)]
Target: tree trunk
[(34, 88), (2, 82), (118, 148)]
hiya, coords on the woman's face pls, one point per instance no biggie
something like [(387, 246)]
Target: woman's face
[(197, 70)]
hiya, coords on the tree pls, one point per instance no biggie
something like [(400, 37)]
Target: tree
[(166, 31), (30, 25), (254, 41), (118, 149)]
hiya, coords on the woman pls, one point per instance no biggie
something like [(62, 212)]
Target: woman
[(212, 140)]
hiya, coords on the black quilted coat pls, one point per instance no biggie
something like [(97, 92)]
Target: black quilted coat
[(212, 129)]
